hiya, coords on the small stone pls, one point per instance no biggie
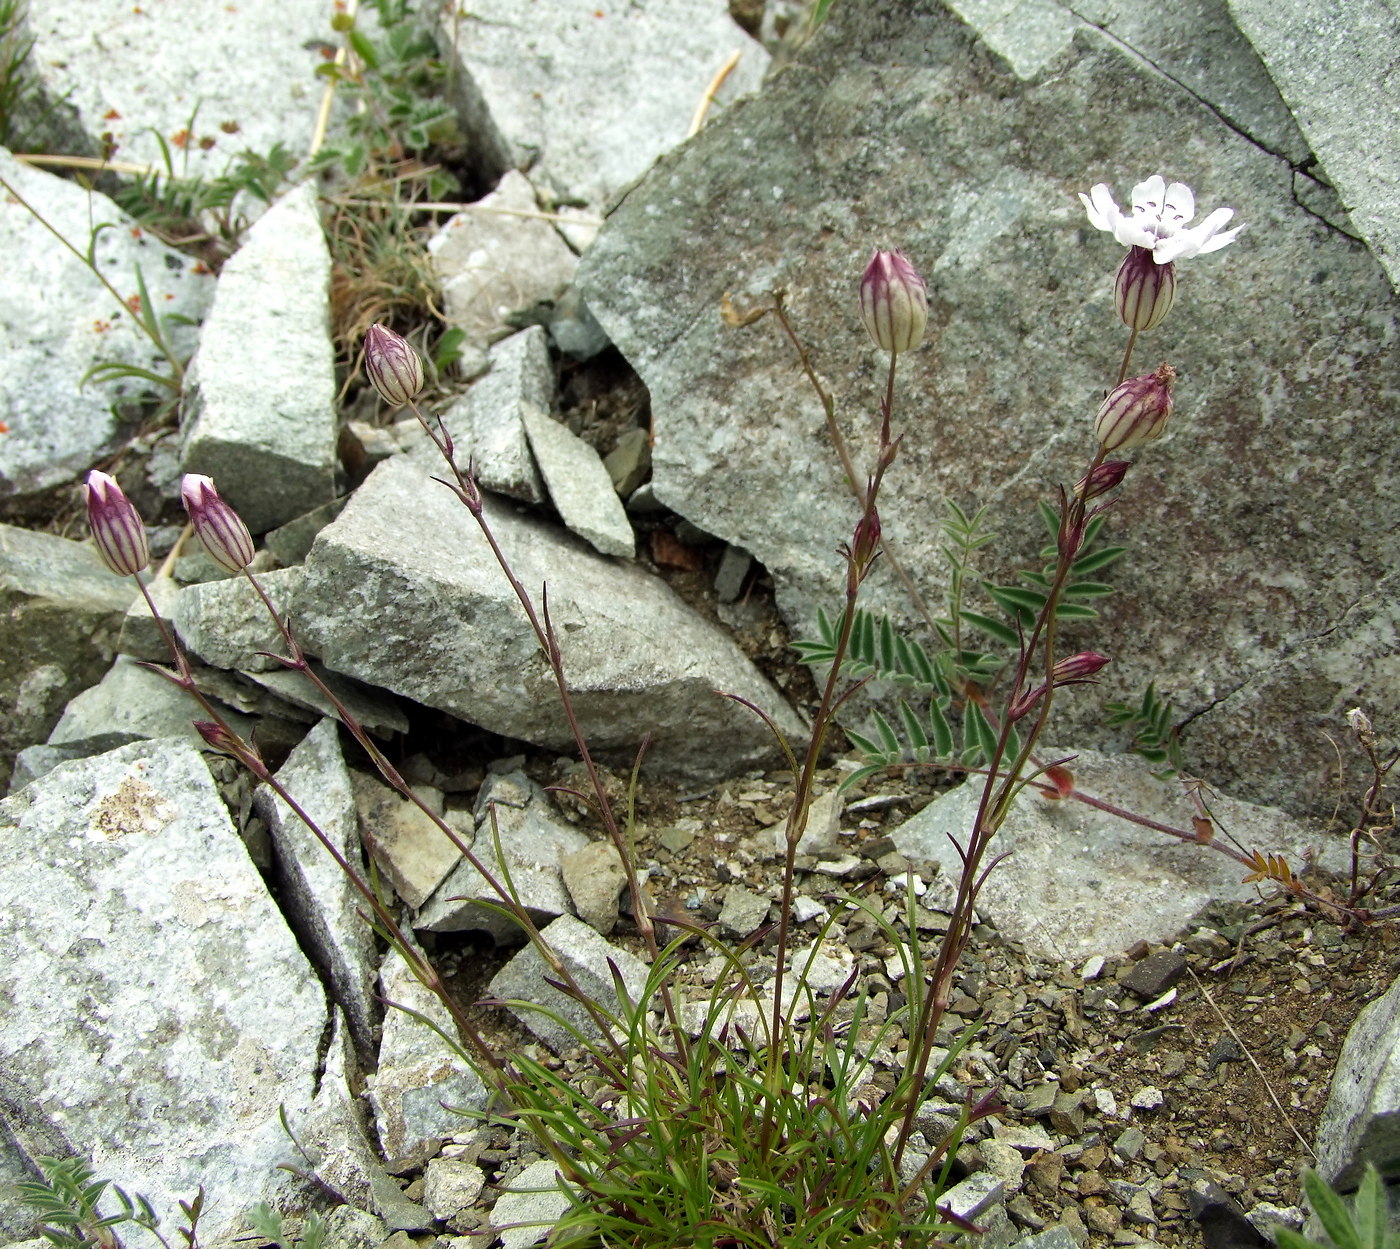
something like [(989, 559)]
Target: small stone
[(1092, 969), (594, 877), (531, 1204), (1104, 1219), (743, 911), (578, 484), (734, 567), (1026, 1140), (629, 462), (1129, 1143), (1024, 1214), (1005, 1162), (450, 1186), (1041, 1099), (805, 908), (1147, 1098), (1155, 974), (1044, 1173)]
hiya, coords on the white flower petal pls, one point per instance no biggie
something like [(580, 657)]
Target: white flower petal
[(1220, 240), (1179, 206), (1178, 247), (1132, 233), (1148, 195), (1099, 204)]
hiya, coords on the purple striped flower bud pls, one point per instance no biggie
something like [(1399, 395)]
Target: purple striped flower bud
[(219, 527), (1144, 290), (893, 302), (1136, 411), (1078, 668), (1106, 477), (116, 526), (393, 366)]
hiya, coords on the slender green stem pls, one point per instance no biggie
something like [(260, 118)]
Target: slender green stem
[(1127, 357)]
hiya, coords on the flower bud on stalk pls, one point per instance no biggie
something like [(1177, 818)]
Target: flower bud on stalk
[(893, 302), (393, 366), (1144, 290), (1077, 669), (1136, 411), (1106, 477), (116, 526), (219, 527), (865, 545)]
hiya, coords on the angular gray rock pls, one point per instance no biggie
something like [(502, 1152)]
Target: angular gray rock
[(62, 610), (155, 1011), (260, 393), (587, 957), (499, 259), (579, 485), (587, 99), (792, 188), (488, 424), (595, 878), (530, 1206), (1078, 881), (57, 321), (432, 618), (226, 624), (419, 1075), (134, 71), (1335, 66), (1361, 1121), (132, 703), (410, 850), (534, 840), (322, 906)]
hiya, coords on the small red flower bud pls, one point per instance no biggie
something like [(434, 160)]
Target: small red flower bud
[(1078, 668), (1106, 477), (1061, 778), (865, 545), (893, 302), (1136, 411), (1144, 290), (116, 526), (393, 366), (219, 527)]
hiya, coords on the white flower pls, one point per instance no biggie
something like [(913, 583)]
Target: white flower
[(1159, 220)]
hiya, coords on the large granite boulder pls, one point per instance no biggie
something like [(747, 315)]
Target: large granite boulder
[(1258, 528), (155, 1012)]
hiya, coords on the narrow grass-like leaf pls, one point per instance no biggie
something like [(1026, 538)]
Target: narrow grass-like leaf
[(1332, 1212), (1002, 632)]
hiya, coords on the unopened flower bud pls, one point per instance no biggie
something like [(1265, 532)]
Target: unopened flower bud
[(866, 543), (219, 527), (893, 302), (1360, 724), (1136, 411), (116, 526), (1144, 290), (393, 366), (1077, 668), (1106, 477)]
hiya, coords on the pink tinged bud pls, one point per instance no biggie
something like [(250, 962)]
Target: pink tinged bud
[(893, 302), (1144, 290), (1108, 476), (393, 366), (116, 526), (1078, 668), (866, 543), (1136, 411), (219, 527)]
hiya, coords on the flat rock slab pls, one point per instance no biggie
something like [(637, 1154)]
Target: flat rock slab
[(154, 1008), (487, 423), (579, 485), (62, 610), (260, 395), (499, 260), (587, 98), (248, 81), (57, 321), (420, 1077), (588, 957), (1078, 881), (1335, 66), (434, 619), (903, 128), (322, 904), (1361, 1121)]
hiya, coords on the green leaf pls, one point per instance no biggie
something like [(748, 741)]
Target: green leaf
[(976, 729), (1369, 1210), (887, 736), (1002, 633), (1050, 518), (863, 744), (1074, 611), (364, 48), (942, 731), (914, 731), (1087, 589), (1095, 560), (1287, 1238), (887, 663), (1332, 1212)]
